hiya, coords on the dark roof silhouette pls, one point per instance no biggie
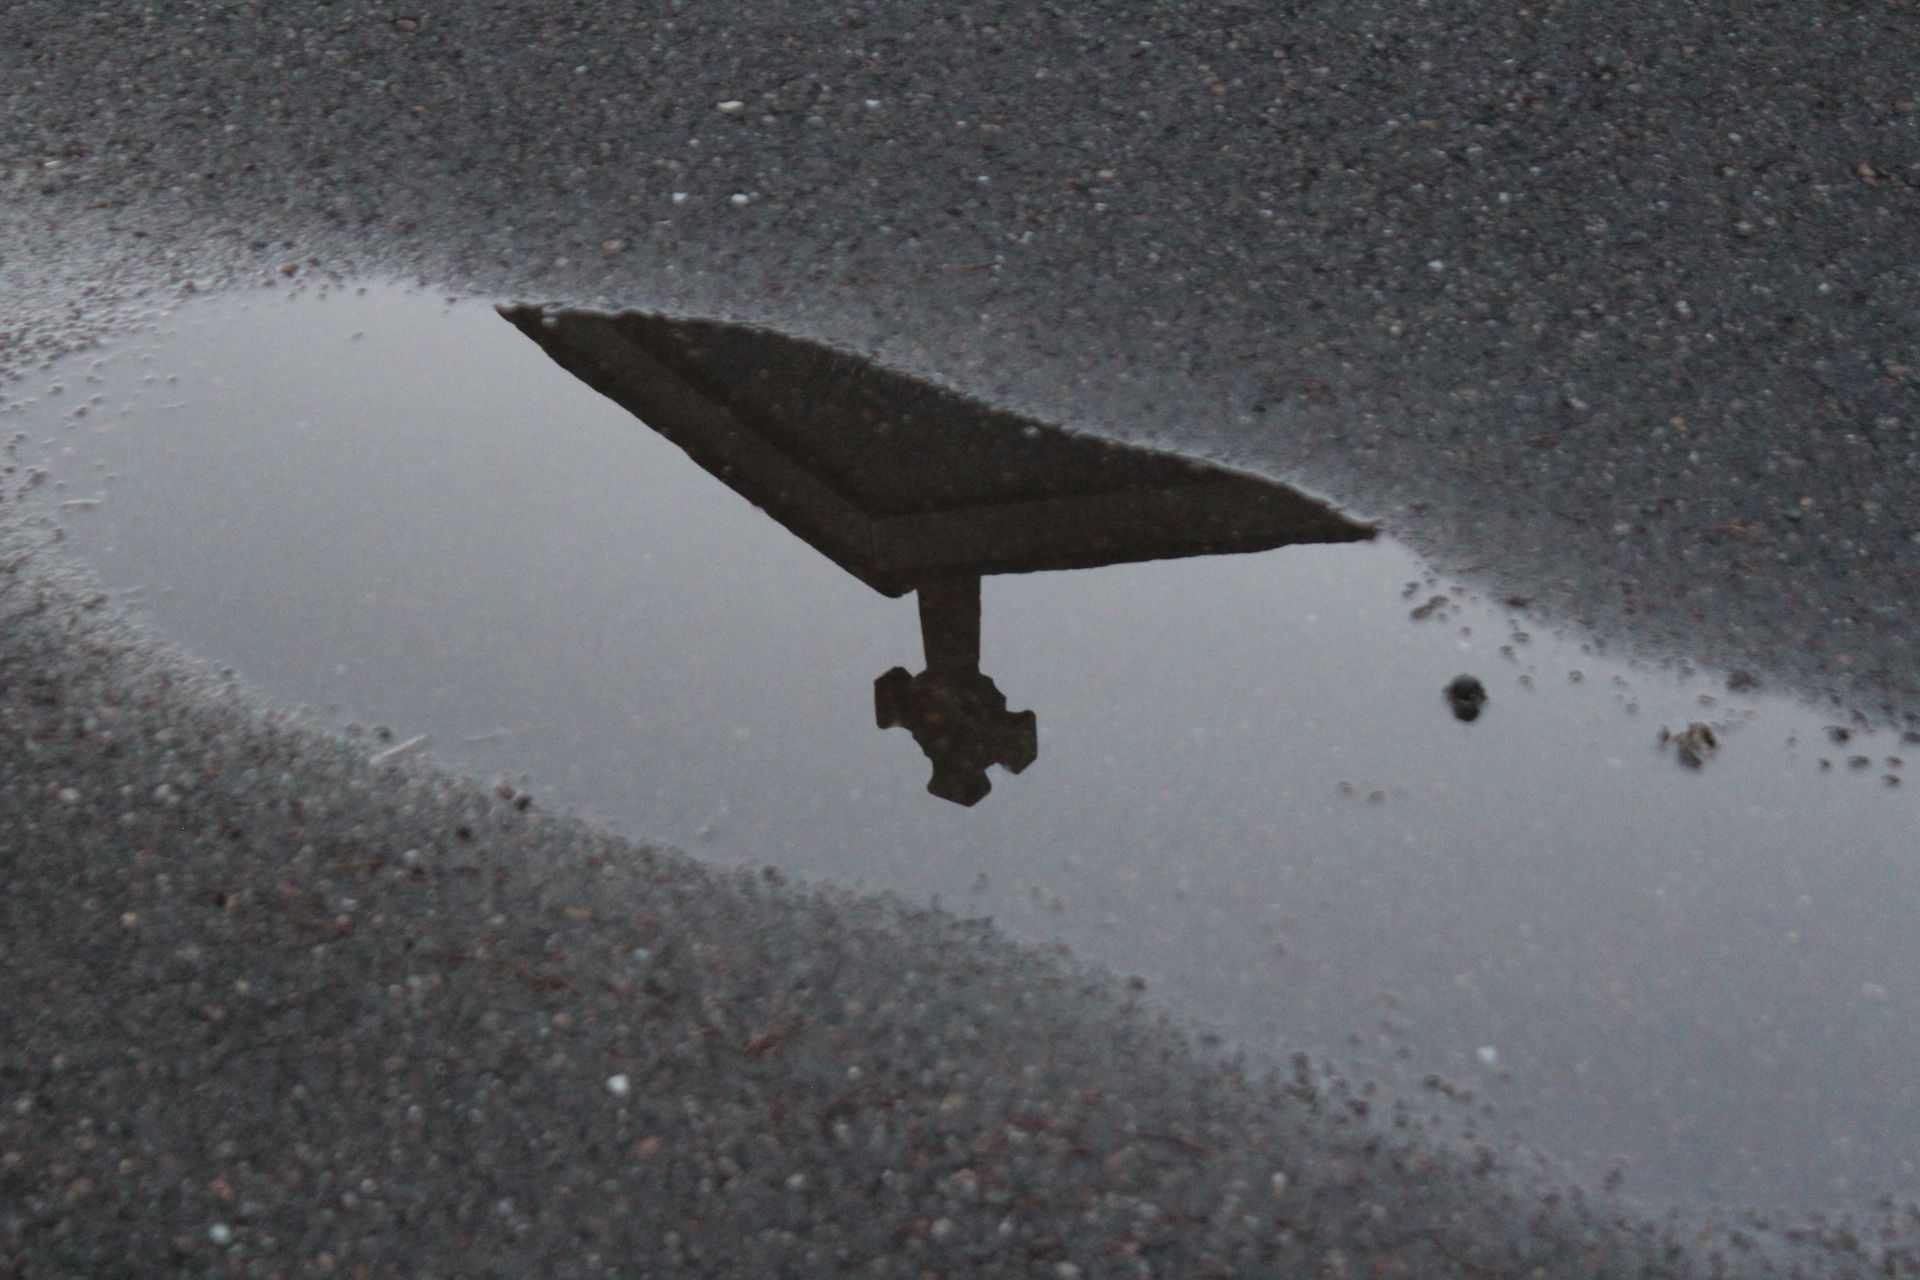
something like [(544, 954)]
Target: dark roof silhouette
[(898, 481)]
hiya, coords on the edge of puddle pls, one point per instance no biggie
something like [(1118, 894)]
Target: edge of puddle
[(114, 616)]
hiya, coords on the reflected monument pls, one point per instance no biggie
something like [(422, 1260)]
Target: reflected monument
[(912, 488)]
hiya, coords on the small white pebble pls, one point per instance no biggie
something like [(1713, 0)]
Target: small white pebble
[(1438, 264), (679, 197), (797, 1182), (220, 1233), (738, 198), (1487, 1054), (1279, 1182), (620, 1086), (732, 106), (68, 795)]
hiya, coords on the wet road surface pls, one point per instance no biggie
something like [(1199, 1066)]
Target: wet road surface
[(1186, 722), (1612, 310)]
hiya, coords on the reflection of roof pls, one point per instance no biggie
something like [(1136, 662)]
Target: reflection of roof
[(900, 482)]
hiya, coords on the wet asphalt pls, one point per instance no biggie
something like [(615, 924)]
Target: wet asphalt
[(1611, 309)]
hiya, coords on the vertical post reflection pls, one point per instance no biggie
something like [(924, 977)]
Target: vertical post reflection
[(954, 711)]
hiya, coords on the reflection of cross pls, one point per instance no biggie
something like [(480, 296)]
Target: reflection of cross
[(957, 715), (911, 488)]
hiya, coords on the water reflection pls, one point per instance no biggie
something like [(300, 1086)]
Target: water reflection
[(910, 488), (1254, 795)]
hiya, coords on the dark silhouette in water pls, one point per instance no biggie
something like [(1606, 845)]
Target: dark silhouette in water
[(909, 487)]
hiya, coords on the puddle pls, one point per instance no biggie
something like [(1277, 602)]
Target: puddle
[(1192, 725)]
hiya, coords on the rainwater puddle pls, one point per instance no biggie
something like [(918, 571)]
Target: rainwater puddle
[(1185, 722)]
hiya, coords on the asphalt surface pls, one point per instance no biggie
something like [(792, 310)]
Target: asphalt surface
[(1608, 307)]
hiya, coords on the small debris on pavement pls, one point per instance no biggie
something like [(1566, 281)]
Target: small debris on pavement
[(1466, 696), (401, 750), (1692, 745)]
